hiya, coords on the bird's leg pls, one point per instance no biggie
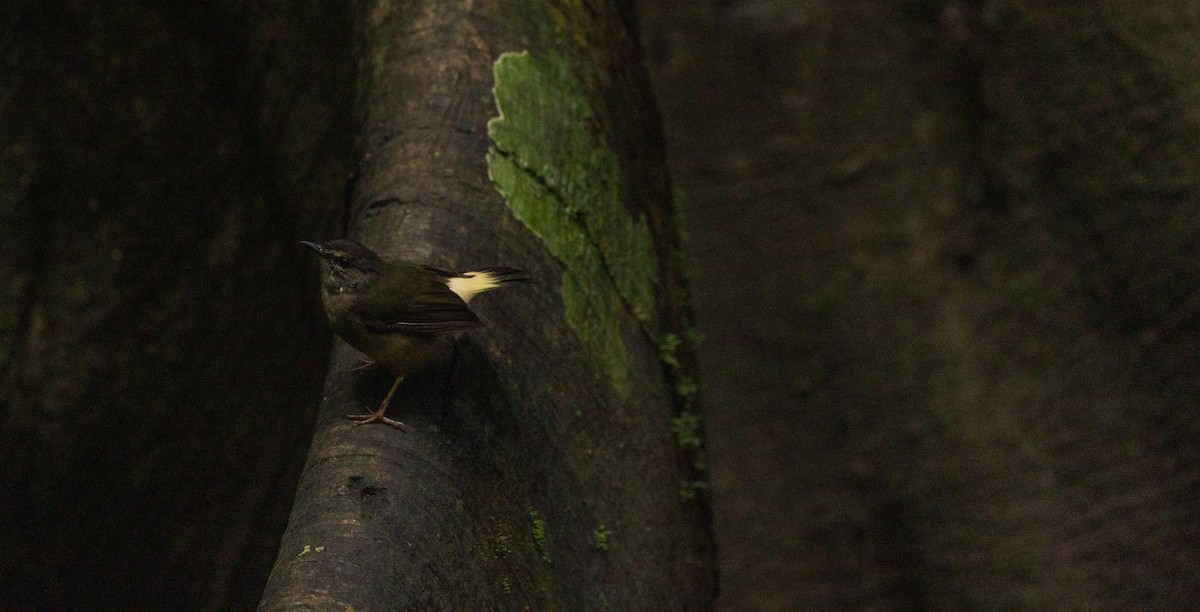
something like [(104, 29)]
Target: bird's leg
[(377, 416)]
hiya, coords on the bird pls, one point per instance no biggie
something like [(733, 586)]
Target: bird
[(395, 313)]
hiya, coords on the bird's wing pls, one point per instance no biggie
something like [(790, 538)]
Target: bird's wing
[(417, 301)]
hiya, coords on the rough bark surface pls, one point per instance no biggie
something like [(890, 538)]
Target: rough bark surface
[(945, 260), (532, 474)]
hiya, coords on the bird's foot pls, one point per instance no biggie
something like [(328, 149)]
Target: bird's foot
[(365, 366), (375, 417)]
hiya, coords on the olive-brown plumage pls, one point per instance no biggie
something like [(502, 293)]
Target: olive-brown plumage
[(394, 313)]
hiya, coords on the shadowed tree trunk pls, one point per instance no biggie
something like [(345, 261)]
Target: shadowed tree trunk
[(945, 255), (160, 352), (551, 457)]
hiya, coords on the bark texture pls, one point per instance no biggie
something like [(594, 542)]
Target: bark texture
[(540, 467), (945, 258)]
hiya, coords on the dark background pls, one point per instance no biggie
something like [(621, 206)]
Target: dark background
[(944, 257), (945, 260)]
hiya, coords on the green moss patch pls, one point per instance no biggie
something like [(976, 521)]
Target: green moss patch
[(553, 166)]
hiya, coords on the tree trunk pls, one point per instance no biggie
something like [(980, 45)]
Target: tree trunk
[(551, 458), (975, 354)]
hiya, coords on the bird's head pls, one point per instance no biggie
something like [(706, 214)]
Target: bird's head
[(346, 265)]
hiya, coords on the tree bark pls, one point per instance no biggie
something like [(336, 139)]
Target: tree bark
[(541, 466), (975, 226)]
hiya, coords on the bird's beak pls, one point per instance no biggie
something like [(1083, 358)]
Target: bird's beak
[(312, 245)]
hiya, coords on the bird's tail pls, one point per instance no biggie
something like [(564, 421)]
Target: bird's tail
[(469, 284)]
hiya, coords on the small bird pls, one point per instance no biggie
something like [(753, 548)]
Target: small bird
[(394, 313)]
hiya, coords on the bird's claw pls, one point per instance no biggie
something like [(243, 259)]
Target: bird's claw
[(375, 417), (365, 366)]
